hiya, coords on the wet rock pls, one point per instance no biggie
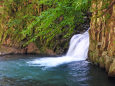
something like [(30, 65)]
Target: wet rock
[(108, 62), (50, 52), (4, 50), (32, 48), (101, 62), (112, 69)]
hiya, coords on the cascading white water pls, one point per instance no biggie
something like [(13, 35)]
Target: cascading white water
[(78, 50)]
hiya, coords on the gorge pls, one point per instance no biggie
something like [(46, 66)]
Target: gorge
[(36, 34)]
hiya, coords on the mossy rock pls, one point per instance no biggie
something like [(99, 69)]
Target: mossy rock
[(108, 62), (101, 62), (112, 69)]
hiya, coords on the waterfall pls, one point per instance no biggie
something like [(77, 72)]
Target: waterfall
[(77, 51), (79, 45)]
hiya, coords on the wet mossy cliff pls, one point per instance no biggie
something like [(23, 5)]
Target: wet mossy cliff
[(102, 35)]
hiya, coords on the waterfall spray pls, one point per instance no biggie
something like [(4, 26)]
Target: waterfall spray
[(77, 51)]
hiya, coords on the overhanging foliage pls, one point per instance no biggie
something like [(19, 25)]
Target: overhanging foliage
[(30, 20)]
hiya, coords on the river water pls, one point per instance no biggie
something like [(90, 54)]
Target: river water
[(15, 71), (72, 69)]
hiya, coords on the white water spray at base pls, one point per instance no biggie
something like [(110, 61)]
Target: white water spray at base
[(78, 50)]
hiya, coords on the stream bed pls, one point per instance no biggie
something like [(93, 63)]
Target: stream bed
[(15, 71)]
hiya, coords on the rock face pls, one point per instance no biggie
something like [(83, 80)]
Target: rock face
[(31, 48), (102, 35), (4, 50), (13, 49)]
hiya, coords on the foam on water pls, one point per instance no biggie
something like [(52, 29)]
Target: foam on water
[(77, 51)]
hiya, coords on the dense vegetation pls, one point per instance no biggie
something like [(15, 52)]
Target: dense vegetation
[(41, 20)]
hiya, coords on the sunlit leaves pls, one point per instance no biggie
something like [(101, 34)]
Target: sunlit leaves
[(31, 21)]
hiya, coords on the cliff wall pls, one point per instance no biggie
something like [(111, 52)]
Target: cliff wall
[(102, 35)]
